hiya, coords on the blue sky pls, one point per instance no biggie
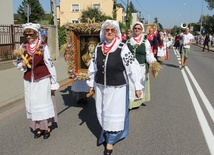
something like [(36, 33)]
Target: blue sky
[(168, 12)]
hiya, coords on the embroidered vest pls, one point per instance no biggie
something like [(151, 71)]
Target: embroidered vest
[(138, 51), (111, 71), (38, 68)]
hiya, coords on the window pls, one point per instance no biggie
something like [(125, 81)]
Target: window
[(96, 5), (75, 21), (75, 8)]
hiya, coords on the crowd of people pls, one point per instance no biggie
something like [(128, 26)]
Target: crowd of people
[(160, 41), (184, 39), (118, 75), (206, 41)]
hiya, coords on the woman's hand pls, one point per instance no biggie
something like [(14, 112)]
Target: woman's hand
[(91, 89), (91, 92), (138, 93), (24, 63)]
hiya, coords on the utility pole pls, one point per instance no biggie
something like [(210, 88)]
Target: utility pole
[(53, 11)]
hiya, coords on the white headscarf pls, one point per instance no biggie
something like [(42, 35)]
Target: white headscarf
[(33, 26), (132, 40), (138, 23), (106, 23)]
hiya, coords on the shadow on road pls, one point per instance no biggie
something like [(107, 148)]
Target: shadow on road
[(88, 112), (88, 115), (170, 65)]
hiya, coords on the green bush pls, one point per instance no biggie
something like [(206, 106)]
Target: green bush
[(62, 35)]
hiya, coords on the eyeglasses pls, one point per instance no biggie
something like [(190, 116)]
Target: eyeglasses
[(31, 35), (137, 28), (112, 30)]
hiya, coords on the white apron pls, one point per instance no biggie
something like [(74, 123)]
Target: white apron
[(39, 105), (111, 115)]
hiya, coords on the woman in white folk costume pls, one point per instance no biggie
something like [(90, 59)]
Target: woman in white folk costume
[(161, 51), (166, 44), (108, 71), (40, 81), (141, 49)]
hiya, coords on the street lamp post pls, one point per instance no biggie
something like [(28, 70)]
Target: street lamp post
[(27, 10), (201, 16)]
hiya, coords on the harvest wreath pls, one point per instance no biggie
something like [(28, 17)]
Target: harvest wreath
[(72, 48)]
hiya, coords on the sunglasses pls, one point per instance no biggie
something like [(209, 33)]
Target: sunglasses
[(112, 30), (31, 35), (137, 28)]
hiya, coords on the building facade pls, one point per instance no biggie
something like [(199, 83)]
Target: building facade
[(6, 8), (70, 11)]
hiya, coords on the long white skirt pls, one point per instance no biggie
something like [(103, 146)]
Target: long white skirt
[(111, 107), (133, 100), (38, 102)]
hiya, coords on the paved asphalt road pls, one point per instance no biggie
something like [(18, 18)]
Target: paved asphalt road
[(174, 122)]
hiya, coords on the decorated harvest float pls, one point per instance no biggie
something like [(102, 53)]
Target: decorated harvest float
[(82, 39)]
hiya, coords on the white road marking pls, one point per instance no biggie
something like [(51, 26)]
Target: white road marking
[(199, 112), (202, 95), (200, 115)]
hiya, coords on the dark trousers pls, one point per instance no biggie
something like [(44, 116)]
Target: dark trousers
[(206, 44)]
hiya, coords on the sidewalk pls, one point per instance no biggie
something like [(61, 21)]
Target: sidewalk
[(211, 48), (12, 84)]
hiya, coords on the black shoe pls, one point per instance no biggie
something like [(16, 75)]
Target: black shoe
[(85, 101), (107, 152), (46, 134), (37, 133), (82, 101)]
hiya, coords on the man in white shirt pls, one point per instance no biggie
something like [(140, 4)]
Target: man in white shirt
[(187, 40)]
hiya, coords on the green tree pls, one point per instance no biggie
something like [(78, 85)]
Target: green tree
[(132, 8), (210, 4), (62, 35), (155, 20), (208, 24), (195, 26), (93, 13), (37, 12), (159, 26), (122, 25), (115, 10), (128, 16), (129, 10), (175, 30)]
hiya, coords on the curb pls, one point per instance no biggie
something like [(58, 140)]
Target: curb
[(210, 49)]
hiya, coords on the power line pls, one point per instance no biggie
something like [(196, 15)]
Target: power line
[(149, 13), (142, 7)]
